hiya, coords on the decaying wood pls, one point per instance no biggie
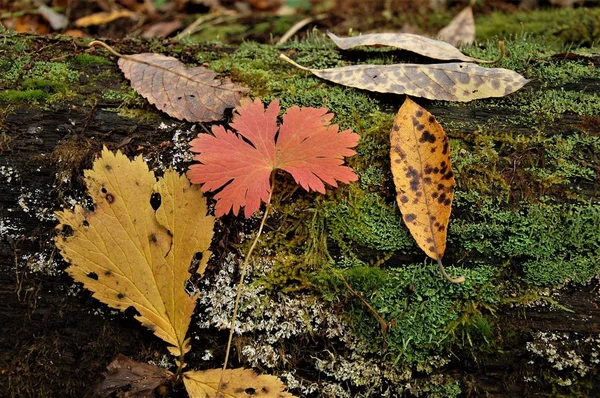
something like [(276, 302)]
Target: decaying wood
[(50, 336)]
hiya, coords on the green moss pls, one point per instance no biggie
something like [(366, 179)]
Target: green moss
[(53, 72), (33, 96), (557, 28), (88, 59)]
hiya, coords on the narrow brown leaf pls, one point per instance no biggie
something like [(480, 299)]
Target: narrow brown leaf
[(101, 18), (192, 94), (451, 81), (461, 30), (431, 48), (136, 379), (420, 162)]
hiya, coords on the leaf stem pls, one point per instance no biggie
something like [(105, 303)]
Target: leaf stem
[(241, 284), (96, 43), (501, 47), (287, 59), (460, 279)]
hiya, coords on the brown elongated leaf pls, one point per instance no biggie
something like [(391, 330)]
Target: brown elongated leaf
[(431, 48), (237, 383), (461, 30), (101, 18), (451, 81), (192, 94), (128, 254), (420, 162), (134, 379)]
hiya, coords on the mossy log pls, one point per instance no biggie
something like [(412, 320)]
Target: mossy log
[(525, 230)]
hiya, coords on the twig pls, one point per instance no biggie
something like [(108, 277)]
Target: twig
[(241, 284), (382, 322), (296, 27), (216, 17)]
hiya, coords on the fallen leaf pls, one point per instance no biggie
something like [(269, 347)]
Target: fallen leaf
[(451, 81), (420, 162), (161, 29), (101, 18), (130, 255), (461, 30), (134, 379), (237, 383), (192, 94), (307, 147), (422, 45), (56, 20)]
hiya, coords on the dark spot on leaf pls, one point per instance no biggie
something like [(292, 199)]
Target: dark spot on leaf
[(410, 217), (419, 113), (441, 228), (400, 152), (429, 240), (419, 194), (192, 96), (428, 169), (447, 202), (155, 200), (432, 249), (414, 184), (110, 198), (443, 164), (396, 128), (264, 389), (448, 175), (431, 119), (178, 98), (415, 121), (152, 238), (108, 272), (103, 190), (86, 223), (120, 296), (442, 198), (427, 180), (440, 187), (250, 391), (92, 275), (238, 390), (445, 150), (427, 137), (412, 172), (433, 149), (398, 161), (404, 199), (108, 167), (436, 170)]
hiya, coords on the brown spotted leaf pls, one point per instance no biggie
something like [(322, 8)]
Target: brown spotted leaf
[(420, 162), (451, 81), (192, 94), (461, 30), (133, 379), (130, 255), (237, 383), (422, 45)]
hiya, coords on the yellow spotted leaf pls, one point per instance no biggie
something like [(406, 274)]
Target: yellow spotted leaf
[(422, 45), (130, 255), (237, 383), (450, 81), (420, 162)]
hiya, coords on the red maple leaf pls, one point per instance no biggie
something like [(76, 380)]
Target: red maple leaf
[(307, 146)]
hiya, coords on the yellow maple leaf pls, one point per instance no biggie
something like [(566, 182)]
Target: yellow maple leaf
[(129, 255), (237, 383)]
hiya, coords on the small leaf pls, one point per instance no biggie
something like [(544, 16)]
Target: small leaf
[(451, 81), (101, 18), (420, 161), (461, 30), (192, 94), (307, 147), (431, 48), (135, 378), (237, 383), (128, 254)]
